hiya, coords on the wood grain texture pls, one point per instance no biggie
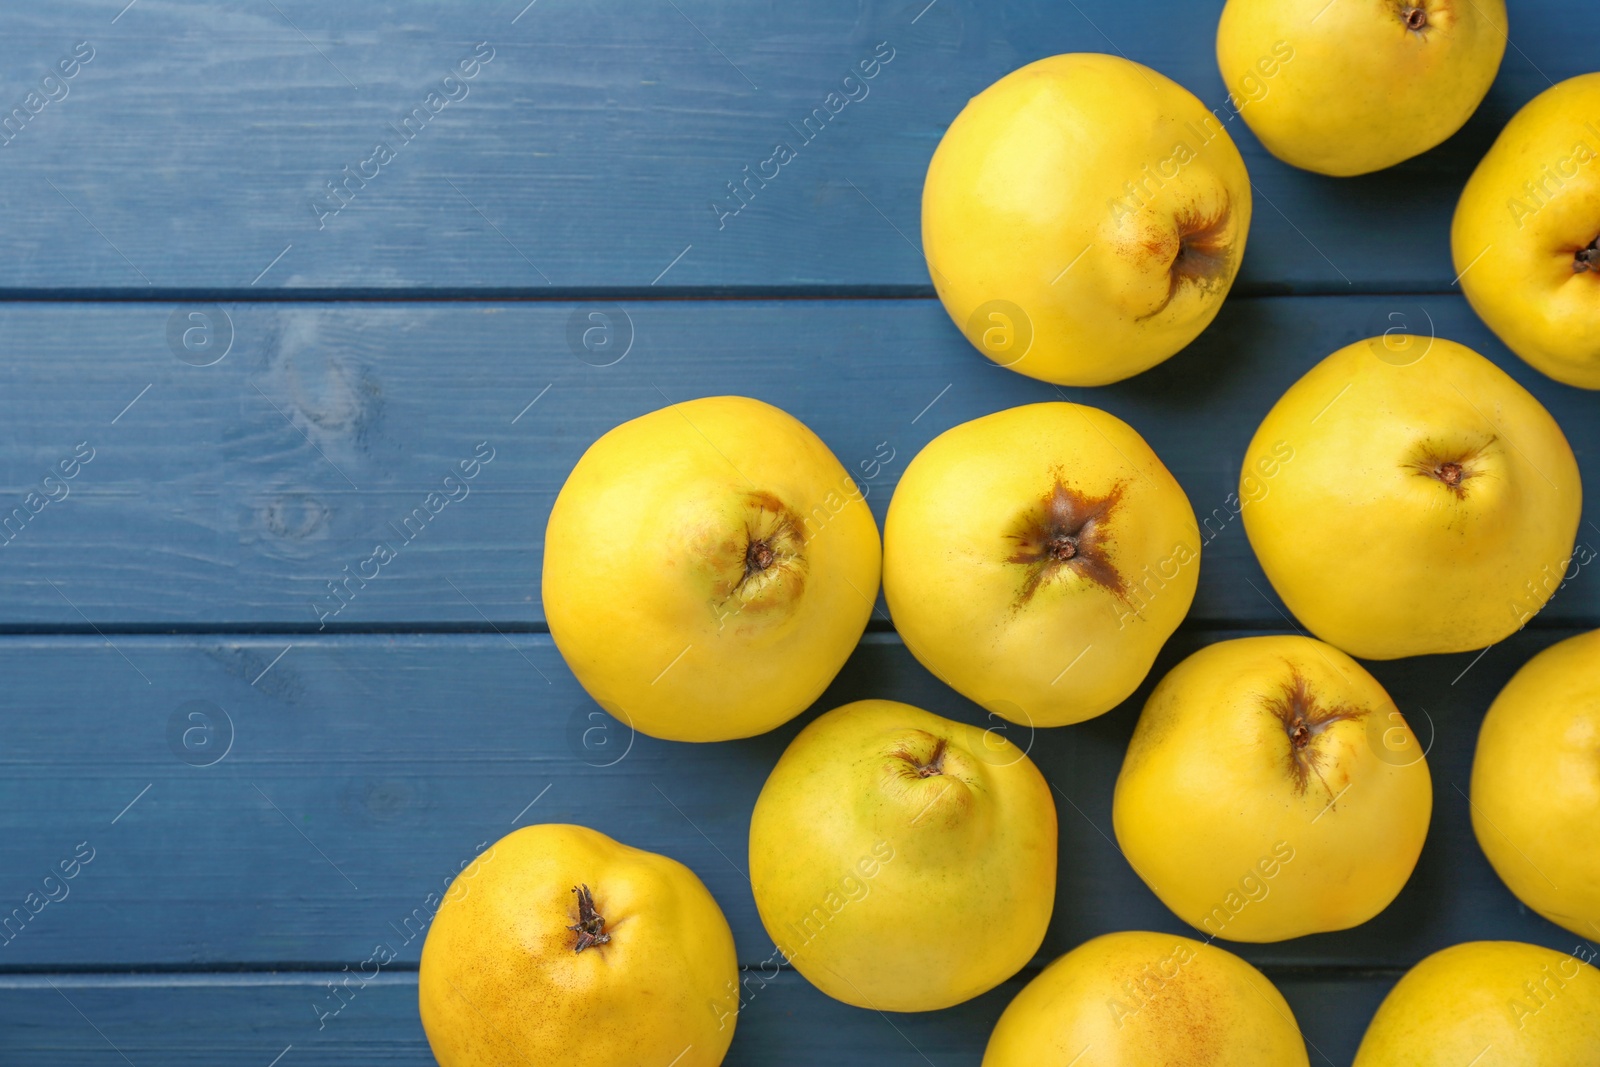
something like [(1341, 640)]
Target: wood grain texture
[(254, 380), (587, 153), (358, 773), (213, 1019), (232, 495)]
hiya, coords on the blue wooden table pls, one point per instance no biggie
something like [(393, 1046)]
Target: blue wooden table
[(273, 268)]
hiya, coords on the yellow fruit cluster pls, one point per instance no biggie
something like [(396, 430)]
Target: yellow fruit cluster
[(709, 567)]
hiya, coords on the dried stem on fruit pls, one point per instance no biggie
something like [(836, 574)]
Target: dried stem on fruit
[(591, 925), (1067, 530), (1304, 720)]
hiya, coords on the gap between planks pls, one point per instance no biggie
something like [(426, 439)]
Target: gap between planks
[(557, 295)]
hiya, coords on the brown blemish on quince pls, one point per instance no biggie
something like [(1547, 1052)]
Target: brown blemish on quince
[(1202, 257), (1068, 530), (1177, 998), (1415, 17), (769, 557), (932, 766), (1587, 258), (913, 757), (1304, 720), (1451, 468)]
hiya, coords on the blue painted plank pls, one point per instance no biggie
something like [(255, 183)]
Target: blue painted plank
[(193, 149), (193, 1020), (233, 494), (359, 770), (334, 782)]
